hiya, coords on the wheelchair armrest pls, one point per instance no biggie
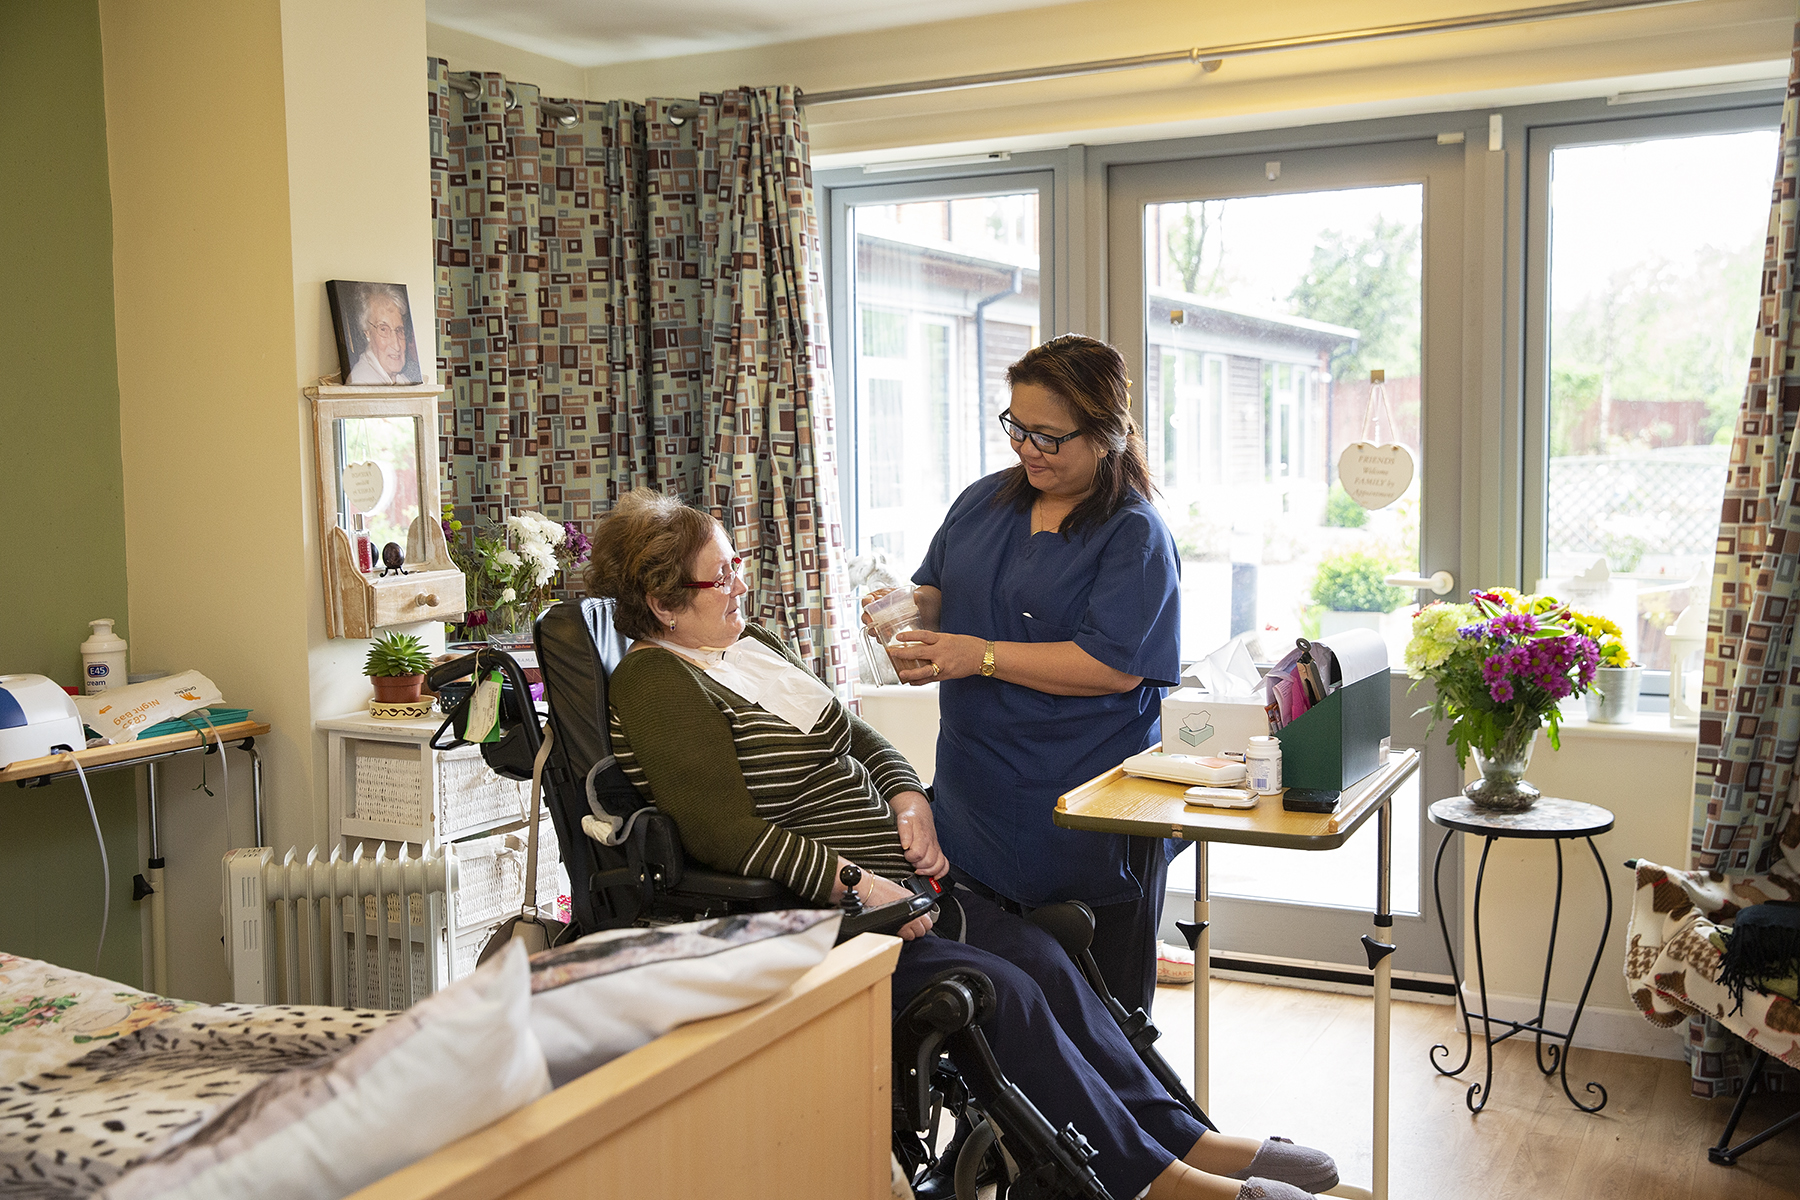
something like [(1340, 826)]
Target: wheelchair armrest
[(704, 881)]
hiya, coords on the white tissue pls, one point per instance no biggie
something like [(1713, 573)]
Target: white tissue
[(1228, 673)]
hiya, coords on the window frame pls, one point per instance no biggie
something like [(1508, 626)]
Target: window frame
[(1541, 141), (846, 193)]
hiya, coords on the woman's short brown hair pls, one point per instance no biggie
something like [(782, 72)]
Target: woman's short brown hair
[(642, 551)]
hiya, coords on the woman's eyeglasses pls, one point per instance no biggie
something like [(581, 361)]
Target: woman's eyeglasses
[(728, 574), (1049, 443)]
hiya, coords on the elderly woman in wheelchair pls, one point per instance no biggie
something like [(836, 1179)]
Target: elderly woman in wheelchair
[(768, 775)]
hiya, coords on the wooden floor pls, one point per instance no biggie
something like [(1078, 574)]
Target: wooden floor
[(1298, 1063)]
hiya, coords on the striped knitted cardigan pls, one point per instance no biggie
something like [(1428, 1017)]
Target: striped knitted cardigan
[(751, 793)]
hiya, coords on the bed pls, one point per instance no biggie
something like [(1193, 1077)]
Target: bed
[(786, 1097)]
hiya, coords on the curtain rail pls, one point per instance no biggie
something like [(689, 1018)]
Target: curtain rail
[(1210, 57), (468, 84)]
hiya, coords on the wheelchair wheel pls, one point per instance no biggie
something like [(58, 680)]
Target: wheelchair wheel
[(975, 1152)]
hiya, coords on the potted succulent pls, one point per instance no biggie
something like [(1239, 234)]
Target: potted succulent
[(396, 665)]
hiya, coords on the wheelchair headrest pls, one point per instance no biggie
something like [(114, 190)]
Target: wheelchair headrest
[(577, 649)]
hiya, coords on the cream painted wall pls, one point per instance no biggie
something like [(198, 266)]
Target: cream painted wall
[(1697, 42), (1645, 776), (359, 186), (256, 149), (204, 307), (468, 52)]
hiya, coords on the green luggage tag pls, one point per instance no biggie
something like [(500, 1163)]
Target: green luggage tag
[(484, 711)]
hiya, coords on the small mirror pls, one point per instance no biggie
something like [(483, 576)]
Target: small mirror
[(376, 457), (378, 472)]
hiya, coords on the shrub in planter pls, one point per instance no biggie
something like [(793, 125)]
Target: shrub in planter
[(1343, 512), (1351, 581)]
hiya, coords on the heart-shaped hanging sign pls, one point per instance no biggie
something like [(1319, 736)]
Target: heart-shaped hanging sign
[(364, 483), (1375, 476)]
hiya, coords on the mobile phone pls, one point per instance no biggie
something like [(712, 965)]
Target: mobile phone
[(1312, 800)]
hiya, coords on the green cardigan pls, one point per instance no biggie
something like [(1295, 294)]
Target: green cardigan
[(751, 793)]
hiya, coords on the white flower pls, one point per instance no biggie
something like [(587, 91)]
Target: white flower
[(535, 526), (506, 558), (508, 596)]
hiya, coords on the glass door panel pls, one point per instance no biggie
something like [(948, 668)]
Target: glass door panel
[(1264, 316), (1258, 297)]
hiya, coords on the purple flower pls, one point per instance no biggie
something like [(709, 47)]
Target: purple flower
[(1512, 624), (576, 545)]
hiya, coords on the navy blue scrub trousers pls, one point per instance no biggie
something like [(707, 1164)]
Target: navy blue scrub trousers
[(1054, 1039)]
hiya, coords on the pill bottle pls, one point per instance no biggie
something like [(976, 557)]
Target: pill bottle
[(102, 658), (1263, 759)]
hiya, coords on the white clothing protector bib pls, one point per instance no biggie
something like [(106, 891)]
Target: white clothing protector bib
[(762, 676)]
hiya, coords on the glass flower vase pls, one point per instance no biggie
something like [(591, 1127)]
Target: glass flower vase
[(1502, 786)]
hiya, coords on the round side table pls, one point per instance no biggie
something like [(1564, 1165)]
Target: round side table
[(1549, 819)]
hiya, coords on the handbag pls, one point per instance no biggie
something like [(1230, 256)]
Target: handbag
[(530, 927)]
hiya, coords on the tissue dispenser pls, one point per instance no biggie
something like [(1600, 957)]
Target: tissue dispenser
[(35, 715)]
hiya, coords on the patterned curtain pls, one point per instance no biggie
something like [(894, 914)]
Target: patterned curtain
[(1745, 819), (636, 301)]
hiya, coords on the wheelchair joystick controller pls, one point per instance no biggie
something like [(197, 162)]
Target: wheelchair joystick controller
[(882, 918), (850, 902)]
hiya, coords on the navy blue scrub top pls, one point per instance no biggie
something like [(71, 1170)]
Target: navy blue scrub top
[(1006, 752)]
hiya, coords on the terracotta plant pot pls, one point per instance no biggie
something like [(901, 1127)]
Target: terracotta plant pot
[(397, 689)]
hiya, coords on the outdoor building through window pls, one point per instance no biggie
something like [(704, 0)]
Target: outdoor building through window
[(946, 297), (1265, 316), (1656, 247)]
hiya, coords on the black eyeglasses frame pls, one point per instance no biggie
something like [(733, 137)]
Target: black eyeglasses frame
[(1048, 443)]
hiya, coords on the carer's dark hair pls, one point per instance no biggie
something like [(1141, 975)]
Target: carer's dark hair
[(1089, 376), (641, 549)]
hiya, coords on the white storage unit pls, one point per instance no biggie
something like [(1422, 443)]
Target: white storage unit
[(385, 783)]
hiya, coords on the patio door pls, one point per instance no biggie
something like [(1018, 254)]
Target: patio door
[(1255, 298)]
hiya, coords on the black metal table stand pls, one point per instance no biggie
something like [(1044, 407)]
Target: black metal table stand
[(1549, 819)]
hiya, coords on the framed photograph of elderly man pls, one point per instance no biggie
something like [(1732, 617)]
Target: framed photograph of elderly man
[(373, 323)]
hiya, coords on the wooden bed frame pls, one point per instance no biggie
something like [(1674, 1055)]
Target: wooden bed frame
[(787, 1098)]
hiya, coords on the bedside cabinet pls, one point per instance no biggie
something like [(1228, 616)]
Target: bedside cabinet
[(386, 784)]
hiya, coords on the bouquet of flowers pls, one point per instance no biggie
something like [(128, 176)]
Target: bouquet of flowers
[(1501, 663), (513, 568)]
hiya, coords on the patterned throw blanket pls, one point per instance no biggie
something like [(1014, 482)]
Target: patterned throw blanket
[(1679, 921), (96, 1076)]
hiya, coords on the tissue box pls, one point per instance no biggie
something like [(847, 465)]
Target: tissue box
[(1195, 723)]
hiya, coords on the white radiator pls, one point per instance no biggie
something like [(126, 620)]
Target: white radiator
[(357, 932)]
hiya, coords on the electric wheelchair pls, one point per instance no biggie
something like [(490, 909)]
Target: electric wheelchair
[(627, 867)]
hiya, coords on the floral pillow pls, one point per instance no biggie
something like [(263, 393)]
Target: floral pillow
[(50, 1015)]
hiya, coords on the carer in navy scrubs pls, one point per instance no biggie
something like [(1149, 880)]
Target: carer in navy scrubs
[(1057, 587)]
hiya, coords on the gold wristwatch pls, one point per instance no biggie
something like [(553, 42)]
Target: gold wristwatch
[(987, 660)]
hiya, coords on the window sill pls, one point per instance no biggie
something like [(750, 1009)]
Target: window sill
[(1646, 727)]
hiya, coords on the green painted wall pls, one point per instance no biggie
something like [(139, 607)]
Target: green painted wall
[(62, 544)]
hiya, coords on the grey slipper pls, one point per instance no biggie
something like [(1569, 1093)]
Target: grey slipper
[(1301, 1167), (1270, 1189)]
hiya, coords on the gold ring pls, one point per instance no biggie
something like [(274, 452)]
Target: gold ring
[(936, 670)]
